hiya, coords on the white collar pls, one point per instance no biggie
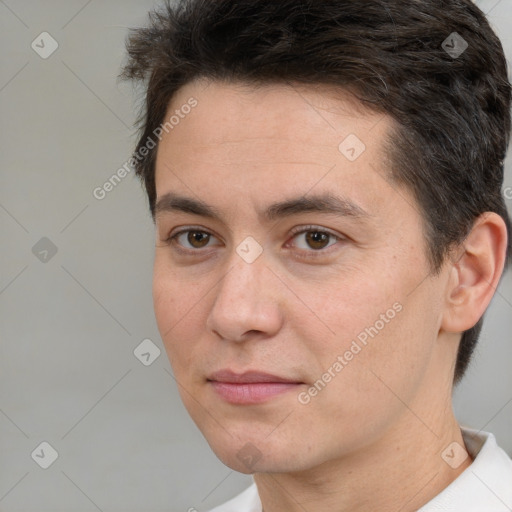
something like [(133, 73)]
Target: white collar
[(486, 485)]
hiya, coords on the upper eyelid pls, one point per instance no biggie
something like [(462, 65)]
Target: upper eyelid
[(185, 229)]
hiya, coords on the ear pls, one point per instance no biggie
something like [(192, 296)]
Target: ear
[(475, 273)]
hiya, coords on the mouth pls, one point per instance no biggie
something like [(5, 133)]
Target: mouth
[(251, 387)]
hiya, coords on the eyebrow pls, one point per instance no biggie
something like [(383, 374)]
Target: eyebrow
[(320, 203)]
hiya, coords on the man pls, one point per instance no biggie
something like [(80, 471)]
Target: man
[(324, 177)]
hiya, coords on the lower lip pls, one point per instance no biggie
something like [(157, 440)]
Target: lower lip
[(251, 393)]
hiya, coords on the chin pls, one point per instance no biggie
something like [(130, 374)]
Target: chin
[(249, 460), (256, 456)]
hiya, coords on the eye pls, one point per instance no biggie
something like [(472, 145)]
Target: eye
[(315, 238), (191, 238), (312, 239)]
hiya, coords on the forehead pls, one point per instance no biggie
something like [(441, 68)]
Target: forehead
[(276, 140), (312, 117), (313, 120)]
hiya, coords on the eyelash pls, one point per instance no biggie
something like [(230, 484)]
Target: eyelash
[(172, 239)]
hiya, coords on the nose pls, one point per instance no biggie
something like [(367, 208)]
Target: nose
[(247, 303)]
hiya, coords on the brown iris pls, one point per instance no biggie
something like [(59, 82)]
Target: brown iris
[(317, 239), (198, 239)]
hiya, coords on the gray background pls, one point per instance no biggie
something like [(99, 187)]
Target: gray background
[(70, 324)]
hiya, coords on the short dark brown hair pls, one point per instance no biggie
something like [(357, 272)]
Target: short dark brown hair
[(452, 111)]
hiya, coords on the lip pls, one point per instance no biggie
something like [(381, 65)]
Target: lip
[(251, 387), (248, 377)]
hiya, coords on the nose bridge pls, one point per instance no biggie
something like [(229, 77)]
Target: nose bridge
[(243, 281), (245, 300)]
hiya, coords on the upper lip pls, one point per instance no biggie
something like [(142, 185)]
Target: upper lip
[(247, 377)]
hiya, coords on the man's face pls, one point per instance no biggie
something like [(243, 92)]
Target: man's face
[(337, 308)]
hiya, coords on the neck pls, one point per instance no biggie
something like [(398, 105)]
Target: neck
[(403, 471)]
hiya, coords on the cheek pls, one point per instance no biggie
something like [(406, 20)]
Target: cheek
[(351, 306), (386, 346), (365, 392), (176, 307), (164, 300), (383, 332), (174, 296)]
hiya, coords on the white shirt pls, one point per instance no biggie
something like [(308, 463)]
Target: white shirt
[(485, 486)]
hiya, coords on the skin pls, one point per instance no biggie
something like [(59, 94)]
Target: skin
[(372, 438)]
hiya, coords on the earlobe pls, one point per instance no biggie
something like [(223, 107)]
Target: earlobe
[(475, 273)]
